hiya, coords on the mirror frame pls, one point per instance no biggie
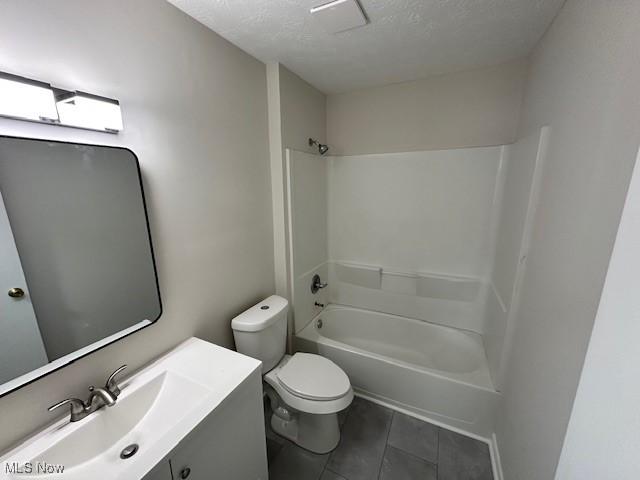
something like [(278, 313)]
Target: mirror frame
[(153, 260)]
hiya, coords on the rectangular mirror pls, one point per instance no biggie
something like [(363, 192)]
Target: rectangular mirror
[(76, 262)]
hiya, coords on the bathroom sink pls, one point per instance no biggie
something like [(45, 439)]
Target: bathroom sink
[(158, 407), (137, 418)]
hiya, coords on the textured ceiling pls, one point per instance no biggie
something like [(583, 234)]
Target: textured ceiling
[(405, 39)]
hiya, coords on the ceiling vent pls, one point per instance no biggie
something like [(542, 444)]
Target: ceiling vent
[(339, 15)]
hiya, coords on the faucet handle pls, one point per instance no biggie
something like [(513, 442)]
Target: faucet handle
[(316, 284), (76, 405), (111, 384)]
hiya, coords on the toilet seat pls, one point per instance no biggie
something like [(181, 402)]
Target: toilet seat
[(311, 384), (313, 377)]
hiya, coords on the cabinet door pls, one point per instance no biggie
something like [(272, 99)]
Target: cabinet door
[(162, 471), (230, 443)]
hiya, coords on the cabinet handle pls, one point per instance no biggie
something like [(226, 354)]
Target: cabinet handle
[(185, 472)]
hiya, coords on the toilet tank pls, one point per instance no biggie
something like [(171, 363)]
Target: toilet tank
[(261, 331)]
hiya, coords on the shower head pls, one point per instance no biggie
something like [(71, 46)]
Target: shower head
[(322, 148)]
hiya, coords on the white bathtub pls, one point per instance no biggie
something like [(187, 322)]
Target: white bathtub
[(434, 371)]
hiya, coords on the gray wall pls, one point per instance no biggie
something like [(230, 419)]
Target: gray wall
[(195, 112), (602, 439), (297, 111), (584, 84), (466, 109), (78, 219), (304, 112)]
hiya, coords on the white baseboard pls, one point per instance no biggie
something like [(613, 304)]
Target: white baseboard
[(495, 458)]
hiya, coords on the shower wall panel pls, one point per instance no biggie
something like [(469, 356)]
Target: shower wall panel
[(418, 211)]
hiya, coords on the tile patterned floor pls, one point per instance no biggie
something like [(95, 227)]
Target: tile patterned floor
[(380, 444)]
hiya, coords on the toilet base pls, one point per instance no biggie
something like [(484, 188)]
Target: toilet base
[(313, 432)]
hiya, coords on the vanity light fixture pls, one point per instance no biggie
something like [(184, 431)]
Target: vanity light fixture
[(27, 99), (84, 110)]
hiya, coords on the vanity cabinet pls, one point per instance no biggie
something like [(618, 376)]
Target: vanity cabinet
[(162, 471), (195, 413), (229, 444)]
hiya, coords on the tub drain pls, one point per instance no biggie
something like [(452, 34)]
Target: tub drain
[(129, 451), (319, 323)]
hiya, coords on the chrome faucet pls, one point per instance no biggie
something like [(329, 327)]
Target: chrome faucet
[(316, 284), (98, 398)]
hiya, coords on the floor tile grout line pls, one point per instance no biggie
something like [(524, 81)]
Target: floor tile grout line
[(324, 467), (413, 455), (382, 461), (386, 443), (340, 427), (327, 469)]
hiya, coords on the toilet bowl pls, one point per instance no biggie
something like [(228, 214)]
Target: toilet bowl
[(306, 391), (310, 391)]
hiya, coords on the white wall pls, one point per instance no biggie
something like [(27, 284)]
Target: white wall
[(584, 84), (466, 109), (195, 112), (602, 439)]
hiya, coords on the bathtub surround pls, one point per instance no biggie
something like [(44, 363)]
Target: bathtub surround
[(520, 196), (423, 218), (455, 301), (466, 109), (406, 233), (309, 236), (411, 235), (195, 112), (425, 211), (307, 180)]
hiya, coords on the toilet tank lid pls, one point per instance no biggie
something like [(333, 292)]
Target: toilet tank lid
[(261, 315)]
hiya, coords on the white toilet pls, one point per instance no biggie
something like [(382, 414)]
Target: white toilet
[(306, 391)]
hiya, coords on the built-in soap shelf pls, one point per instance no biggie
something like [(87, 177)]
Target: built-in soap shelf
[(445, 287)]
